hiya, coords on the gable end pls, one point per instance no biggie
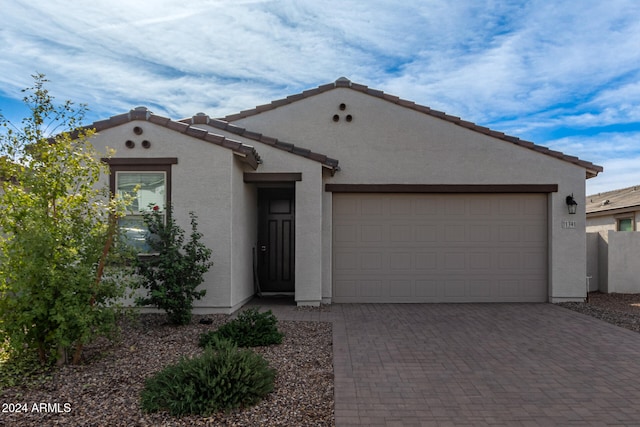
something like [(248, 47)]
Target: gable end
[(248, 153), (592, 170)]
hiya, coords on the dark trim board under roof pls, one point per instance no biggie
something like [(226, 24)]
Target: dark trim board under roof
[(442, 188)]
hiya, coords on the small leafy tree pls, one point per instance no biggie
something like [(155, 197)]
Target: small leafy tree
[(174, 271), (56, 231)]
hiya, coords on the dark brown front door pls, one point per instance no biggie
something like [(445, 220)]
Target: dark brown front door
[(276, 236)]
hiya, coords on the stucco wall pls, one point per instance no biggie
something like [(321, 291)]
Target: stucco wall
[(309, 192), (201, 182), (601, 224), (243, 236), (624, 268), (593, 261), (386, 143), (605, 223)]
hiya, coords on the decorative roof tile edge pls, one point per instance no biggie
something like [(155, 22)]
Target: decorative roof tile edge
[(247, 152), (592, 170), (203, 119)]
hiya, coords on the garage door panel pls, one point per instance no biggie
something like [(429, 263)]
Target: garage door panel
[(371, 261), (371, 207), (454, 233), (401, 262), (454, 261), (401, 288), (426, 260), (346, 289), (439, 247), (426, 289), (346, 233), (401, 233), (480, 261), (426, 233)]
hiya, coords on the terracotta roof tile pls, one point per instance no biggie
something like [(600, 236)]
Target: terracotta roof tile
[(216, 139), (200, 118), (268, 139), (177, 126), (591, 169), (249, 154), (391, 98), (159, 120), (252, 135), (139, 113), (284, 145), (197, 132), (119, 119)]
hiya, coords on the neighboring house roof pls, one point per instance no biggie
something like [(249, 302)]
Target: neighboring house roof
[(202, 118), (246, 152), (614, 200), (592, 170)]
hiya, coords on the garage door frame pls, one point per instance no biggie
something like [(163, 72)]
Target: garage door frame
[(443, 189)]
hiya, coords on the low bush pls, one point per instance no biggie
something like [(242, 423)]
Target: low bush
[(172, 276), (223, 378), (21, 369), (250, 329)]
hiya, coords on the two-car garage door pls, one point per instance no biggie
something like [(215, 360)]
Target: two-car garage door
[(439, 247)]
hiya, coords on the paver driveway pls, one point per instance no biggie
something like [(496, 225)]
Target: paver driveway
[(480, 364)]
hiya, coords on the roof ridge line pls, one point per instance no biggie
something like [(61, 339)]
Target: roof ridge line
[(592, 169), (202, 118), (143, 113)]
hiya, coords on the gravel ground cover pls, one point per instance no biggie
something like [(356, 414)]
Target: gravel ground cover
[(619, 309), (105, 389)]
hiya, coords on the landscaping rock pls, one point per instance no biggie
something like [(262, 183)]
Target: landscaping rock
[(105, 389)]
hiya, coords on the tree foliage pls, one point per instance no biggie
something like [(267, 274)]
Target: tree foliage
[(174, 271), (56, 229)]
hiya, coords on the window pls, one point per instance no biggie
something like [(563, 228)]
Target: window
[(625, 224), (150, 194), (152, 178)]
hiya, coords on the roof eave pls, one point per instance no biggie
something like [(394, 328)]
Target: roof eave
[(592, 170)]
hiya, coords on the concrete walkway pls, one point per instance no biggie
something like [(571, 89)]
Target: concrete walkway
[(478, 364)]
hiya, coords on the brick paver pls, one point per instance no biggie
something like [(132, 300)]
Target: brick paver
[(479, 364)]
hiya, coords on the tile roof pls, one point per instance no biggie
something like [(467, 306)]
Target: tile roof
[(613, 200), (247, 152), (201, 118), (592, 170)]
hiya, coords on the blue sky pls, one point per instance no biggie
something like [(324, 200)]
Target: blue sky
[(562, 74)]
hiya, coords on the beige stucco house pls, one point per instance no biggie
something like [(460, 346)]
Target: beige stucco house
[(617, 210), (347, 194), (612, 252)]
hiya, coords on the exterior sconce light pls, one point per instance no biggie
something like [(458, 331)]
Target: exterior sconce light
[(572, 205)]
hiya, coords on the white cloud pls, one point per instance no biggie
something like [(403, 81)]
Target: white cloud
[(618, 154), (522, 67)]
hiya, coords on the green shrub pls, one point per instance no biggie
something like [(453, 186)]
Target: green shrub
[(250, 329), (223, 378), (172, 276), (21, 369), (57, 224)]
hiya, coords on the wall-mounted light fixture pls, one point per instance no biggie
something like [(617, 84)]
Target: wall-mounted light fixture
[(572, 205)]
